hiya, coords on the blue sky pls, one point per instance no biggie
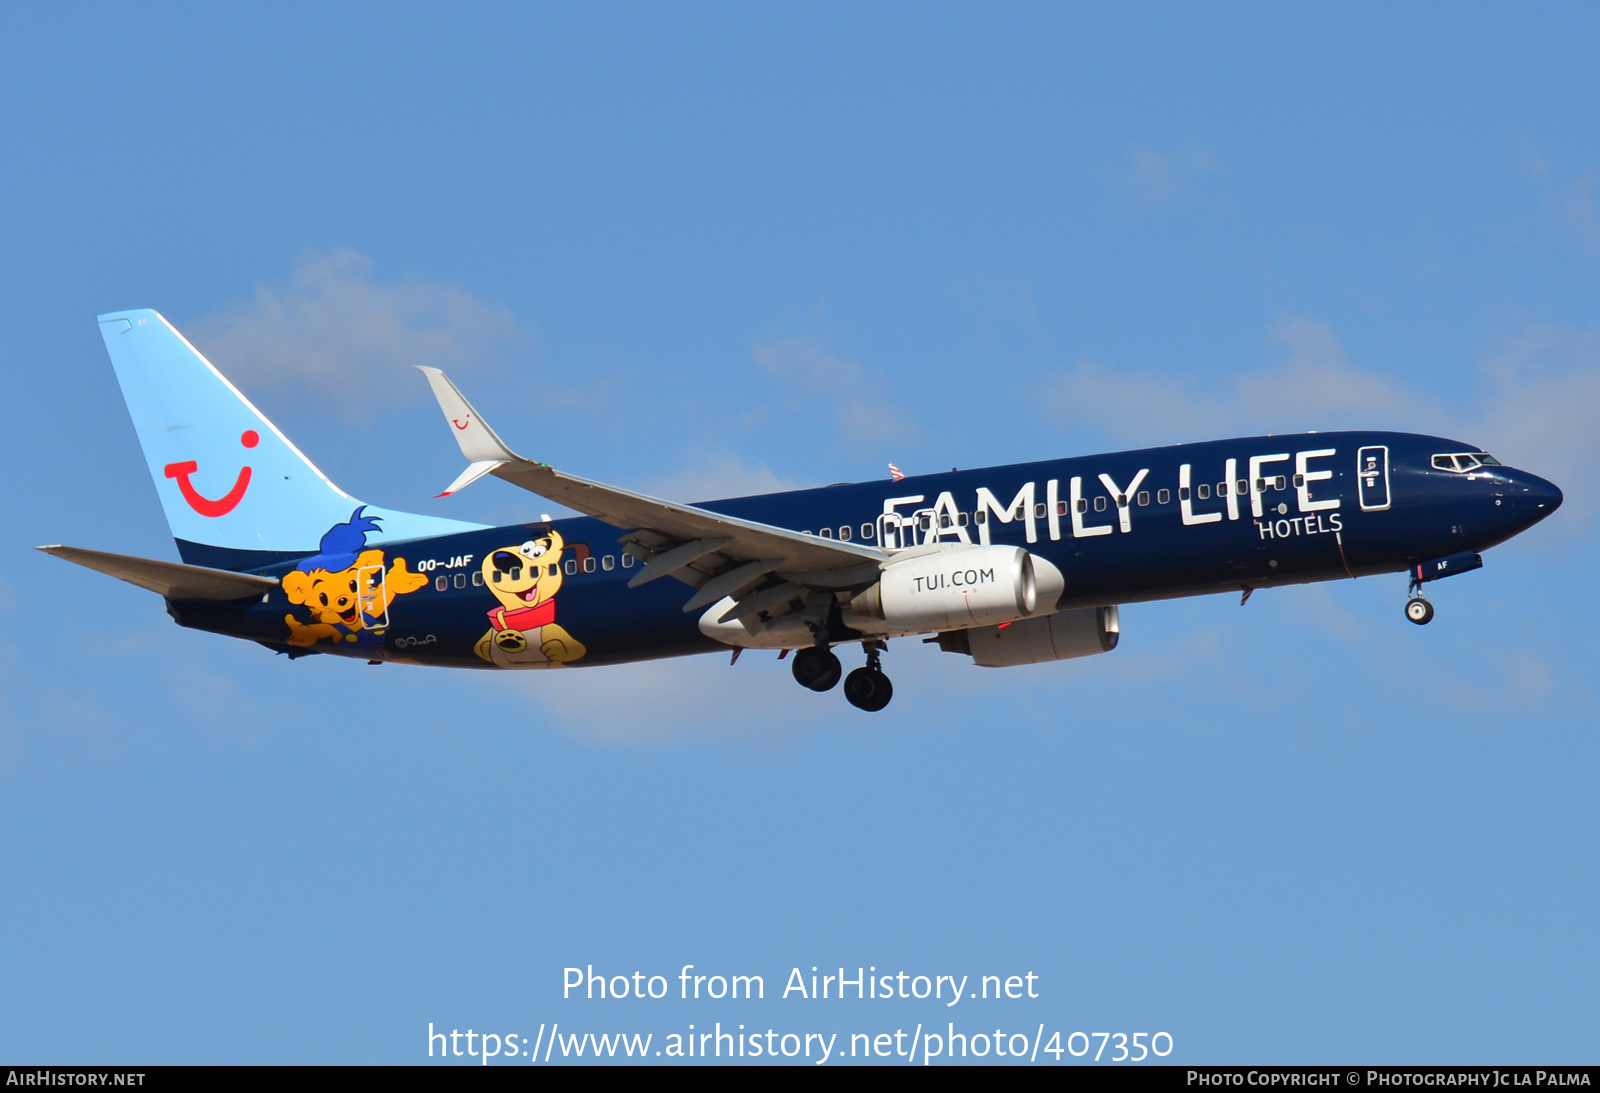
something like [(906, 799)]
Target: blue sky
[(717, 249)]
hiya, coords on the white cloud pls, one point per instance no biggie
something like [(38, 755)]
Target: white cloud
[(1574, 207), (853, 396), (1539, 407), (1542, 411), (717, 476), (335, 330), (1313, 386), (1155, 178), (1567, 201)]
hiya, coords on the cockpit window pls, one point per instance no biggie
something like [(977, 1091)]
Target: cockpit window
[(1462, 462)]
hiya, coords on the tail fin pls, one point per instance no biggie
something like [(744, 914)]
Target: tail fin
[(236, 492)]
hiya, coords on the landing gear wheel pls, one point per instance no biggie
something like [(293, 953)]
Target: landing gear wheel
[(1419, 611), (868, 689), (817, 668)]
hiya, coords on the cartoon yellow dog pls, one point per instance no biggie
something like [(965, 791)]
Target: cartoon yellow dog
[(523, 632), (346, 588)]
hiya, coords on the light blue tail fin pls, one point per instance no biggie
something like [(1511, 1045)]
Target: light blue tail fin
[(236, 493)]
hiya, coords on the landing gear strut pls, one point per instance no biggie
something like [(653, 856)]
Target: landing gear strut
[(1418, 610), (868, 688)]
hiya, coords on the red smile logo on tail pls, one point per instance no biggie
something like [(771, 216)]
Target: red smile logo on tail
[(228, 501)]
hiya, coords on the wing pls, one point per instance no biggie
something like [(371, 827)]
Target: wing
[(764, 569)]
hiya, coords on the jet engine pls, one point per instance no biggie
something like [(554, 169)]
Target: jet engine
[(953, 589), (1062, 636)]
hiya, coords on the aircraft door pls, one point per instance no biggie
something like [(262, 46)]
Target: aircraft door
[(370, 593), (1372, 478)]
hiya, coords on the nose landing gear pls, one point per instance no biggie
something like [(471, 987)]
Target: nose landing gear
[(1418, 610), (868, 688)]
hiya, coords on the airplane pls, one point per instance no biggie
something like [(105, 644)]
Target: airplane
[(1007, 565)]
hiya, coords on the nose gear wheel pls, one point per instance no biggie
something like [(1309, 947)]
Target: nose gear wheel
[(1419, 611)]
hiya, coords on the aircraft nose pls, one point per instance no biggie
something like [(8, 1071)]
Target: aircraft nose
[(1534, 497)]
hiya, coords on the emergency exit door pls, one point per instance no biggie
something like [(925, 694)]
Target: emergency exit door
[(1372, 478)]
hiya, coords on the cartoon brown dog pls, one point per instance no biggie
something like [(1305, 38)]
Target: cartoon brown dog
[(523, 632)]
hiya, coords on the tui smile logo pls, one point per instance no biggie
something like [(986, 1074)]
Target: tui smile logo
[(198, 501)]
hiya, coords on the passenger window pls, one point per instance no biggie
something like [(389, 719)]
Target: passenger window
[(572, 566), (588, 564), (868, 531), (1222, 489), (627, 561), (1163, 497), (925, 522), (1061, 508), (477, 579), (961, 519), (552, 569), (461, 580), (1144, 498), (1099, 504), (983, 516), (1183, 493), (441, 582), (1083, 505), (608, 563), (826, 533), (1261, 485), (1038, 512), (1299, 481), (944, 520), (1279, 483), (1241, 487), (1204, 490), (844, 534)]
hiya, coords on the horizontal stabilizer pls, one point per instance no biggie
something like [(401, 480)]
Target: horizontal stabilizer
[(171, 579)]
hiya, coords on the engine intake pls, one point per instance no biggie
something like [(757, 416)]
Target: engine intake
[(953, 589)]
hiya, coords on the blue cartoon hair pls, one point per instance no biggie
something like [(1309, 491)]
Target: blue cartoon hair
[(341, 543)]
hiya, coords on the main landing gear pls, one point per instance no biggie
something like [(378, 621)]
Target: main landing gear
[(868, 688), (1418, 610), (865, 688), (817, 668)]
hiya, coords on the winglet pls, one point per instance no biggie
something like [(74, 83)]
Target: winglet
[(473, 472), (479, 444)]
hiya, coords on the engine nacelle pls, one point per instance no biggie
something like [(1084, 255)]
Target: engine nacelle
[(1062, 636), (953, 589)]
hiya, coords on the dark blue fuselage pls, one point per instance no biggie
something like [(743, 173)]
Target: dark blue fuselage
[(1220, 516)]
